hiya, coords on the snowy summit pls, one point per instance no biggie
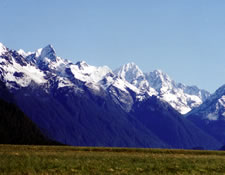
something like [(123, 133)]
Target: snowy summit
[(126, 84)]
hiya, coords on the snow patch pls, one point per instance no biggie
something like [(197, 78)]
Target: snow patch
[(89, 73), (222, 101), (23, 53), (63, 82), (3, 49), (29, 73), (212, 116)]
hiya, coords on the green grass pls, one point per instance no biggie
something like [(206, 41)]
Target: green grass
[(84, 160)]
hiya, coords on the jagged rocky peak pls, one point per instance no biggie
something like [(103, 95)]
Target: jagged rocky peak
[(161, 75), (129, 72), (220, 92), (3, 49), (47, 52), (183, 98), (81, 65), (194, 90), (210, 116), (22, 52), (160, 81), (38, 65), (42, 55), (132, 73), (214, 107)]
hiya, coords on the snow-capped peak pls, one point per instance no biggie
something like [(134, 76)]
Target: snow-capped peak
[(133, 74), (129, 72), (182, 98), (38, 53), (82, 65), (45, 54), (23, 53), (160, 81), (213, 108), (163, 76), (48, 52), (45, 64), (3, 49), (89, 74), (216, 96), (221, 91)]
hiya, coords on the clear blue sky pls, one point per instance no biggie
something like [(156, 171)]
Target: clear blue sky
[(184, 38)]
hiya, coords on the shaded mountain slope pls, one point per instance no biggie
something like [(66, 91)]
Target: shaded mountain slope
[(170, 126), (15, 126), (84, 119), (210, 116)]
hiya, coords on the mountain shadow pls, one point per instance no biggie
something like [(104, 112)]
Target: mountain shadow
[(209, 116), (84, 119), (15, 126), (170, 126)]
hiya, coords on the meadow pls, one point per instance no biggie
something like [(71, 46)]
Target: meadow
[(20, 159)]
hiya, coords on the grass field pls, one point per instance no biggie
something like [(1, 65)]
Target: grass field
[(77, 160)]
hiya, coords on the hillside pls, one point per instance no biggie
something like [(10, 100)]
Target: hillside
[(15, 126)]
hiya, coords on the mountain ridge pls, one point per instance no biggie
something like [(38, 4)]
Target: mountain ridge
[(15, 126), (182, 98), (210, 116), (75, 103)]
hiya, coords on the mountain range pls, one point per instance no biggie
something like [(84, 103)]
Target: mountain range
[(84, 105), (210, 116)]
